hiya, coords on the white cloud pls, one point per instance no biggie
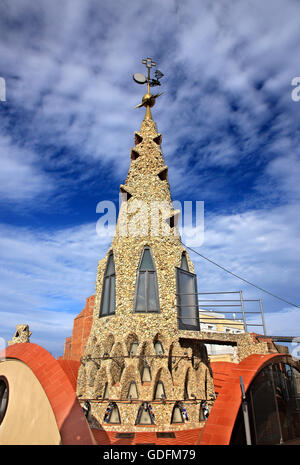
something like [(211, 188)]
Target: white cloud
[(45, 279)]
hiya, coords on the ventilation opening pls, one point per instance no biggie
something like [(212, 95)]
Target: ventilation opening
[(125, 435), (137, 138), (125, 194), (165, 435), (173, 220), (134, 154), (157, 139), (163, 174)]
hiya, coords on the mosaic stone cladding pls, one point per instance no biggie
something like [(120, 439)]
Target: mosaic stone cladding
[(108, 366)]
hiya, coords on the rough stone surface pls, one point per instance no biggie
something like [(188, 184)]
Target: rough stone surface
[(184, 367), (22, 334)]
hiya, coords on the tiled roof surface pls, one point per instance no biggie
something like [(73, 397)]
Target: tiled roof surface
[(71, 368), (187, 437), (70, 419), (220, 423)]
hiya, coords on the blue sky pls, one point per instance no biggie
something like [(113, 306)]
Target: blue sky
[(231, 138)]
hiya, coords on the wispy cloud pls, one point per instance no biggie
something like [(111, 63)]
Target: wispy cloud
[(230, 136)]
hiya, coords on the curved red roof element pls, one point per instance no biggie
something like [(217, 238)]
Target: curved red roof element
[(59, 388), (220, 423)]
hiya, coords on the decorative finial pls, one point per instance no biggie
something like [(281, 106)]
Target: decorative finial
[(148, 100)]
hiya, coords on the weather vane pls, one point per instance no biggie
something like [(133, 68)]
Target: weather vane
[(148, 100)]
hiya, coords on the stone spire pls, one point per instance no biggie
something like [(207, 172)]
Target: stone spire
[(136, 301)]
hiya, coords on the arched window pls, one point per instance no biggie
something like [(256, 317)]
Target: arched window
[(184, 263), (158, 348), (145, 415), (108, 300), (112, 414), (147, 290), (146, 374), (133, 348), (177, 416), (132, 391), (159, 391)]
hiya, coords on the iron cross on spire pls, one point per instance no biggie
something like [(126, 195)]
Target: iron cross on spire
[(149, 64)]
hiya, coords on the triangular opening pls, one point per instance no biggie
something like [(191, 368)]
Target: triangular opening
[(132, 391), (137, 138), (134, 154), (125, 194), (163, 174), (184, 263), (159, 391), (147, 262), (157, 139), (177, 416)]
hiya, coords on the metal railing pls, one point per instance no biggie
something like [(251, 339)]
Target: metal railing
[(229, 305)]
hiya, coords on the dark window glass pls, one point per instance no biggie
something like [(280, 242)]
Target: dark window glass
[(3, 398), (188, 315), (147, 289), (184, 263), (108, 301), (273, 405)]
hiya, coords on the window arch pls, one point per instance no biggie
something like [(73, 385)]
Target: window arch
[(145, 415), (184, 263), (158, 347), (108, 300), (159, 393), (177, 416), (132, 391), (147, 289), (112, 414), (146, 373)]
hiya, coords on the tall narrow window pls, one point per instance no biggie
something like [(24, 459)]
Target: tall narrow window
[(147, 289), (108, 301), (187, 301)]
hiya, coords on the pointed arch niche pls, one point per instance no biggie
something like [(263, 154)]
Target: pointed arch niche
[(146, 299), (108, 299)]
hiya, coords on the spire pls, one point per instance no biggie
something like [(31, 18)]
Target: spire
[(148, 99)]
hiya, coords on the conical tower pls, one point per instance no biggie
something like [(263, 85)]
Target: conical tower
[(144, 364)]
